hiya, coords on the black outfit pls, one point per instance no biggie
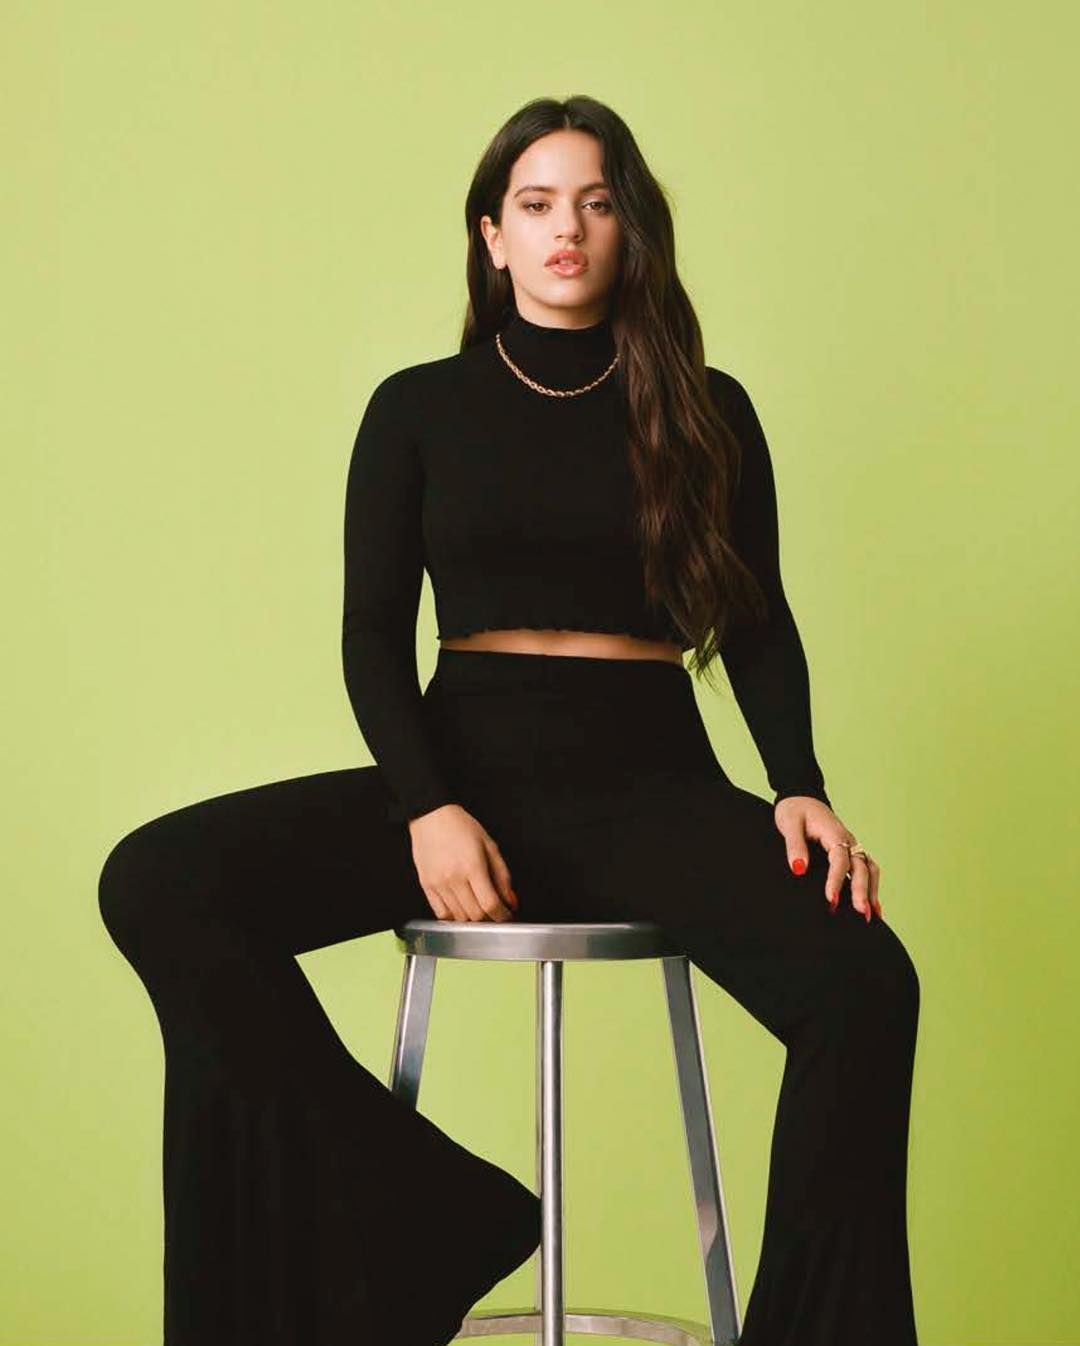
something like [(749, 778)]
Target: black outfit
[(303, 1201)]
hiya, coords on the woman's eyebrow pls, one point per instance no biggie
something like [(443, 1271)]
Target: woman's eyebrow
[(589, 187)]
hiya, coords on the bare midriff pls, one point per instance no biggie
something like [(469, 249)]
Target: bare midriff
[(589, 644)]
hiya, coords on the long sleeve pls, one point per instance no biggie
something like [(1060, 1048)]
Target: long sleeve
[(384, 566), (765, 661)]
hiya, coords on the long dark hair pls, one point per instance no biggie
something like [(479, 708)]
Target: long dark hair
[(683, 455)]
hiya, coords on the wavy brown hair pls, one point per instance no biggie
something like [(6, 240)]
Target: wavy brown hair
[(683, 455)]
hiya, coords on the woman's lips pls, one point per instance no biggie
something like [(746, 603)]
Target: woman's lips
[(566, 267)]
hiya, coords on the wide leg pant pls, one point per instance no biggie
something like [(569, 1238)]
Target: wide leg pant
[(292, 1177)]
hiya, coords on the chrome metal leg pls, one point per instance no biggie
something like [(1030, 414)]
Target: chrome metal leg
[(410, 1037), (713, 1231), (549, 1284)]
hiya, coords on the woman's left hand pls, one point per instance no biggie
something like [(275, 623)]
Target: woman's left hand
[(801, 818)]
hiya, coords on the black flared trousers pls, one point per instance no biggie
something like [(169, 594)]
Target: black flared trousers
[(306, 1205)]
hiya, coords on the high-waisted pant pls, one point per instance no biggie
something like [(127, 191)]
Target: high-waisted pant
[(306, 1204)]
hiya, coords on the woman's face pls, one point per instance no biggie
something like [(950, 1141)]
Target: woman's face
[(557, 199)]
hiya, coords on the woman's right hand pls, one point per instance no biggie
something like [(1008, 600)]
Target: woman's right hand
[(460, 867)]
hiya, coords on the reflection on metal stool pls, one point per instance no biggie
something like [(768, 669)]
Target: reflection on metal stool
[(549, 946)]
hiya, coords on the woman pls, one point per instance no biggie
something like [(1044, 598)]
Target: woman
[(591, 500)]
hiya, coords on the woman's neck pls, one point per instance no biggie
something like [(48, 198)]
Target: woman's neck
[(559, 357)]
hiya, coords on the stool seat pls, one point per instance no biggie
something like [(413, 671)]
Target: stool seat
[(549, 945), (533, 941)]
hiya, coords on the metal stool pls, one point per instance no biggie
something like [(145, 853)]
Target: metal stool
[(549, 946)]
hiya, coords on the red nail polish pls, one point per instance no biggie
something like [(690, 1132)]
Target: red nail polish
[(798, 865)]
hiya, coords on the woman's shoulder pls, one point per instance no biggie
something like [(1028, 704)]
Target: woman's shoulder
[(725, 387), (416, 379), (423, 381), (735, 403)]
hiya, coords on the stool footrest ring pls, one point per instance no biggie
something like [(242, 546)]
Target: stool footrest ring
[(669, 1331)]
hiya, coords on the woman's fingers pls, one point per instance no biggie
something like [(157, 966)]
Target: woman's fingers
[(492, 906), (443, 910), (834, 880), (478, 898), (860, 886), (465, 900), (454, 909), (500, 871), (865, 878), (875, 880)]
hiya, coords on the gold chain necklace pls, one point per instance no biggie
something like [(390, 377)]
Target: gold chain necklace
[(552, 392)]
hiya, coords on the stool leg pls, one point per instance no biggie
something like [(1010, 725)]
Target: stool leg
[(410, 1037), (701, 1148), (549, 1290)]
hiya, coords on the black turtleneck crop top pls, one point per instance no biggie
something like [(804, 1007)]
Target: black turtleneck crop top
[(520, 505)]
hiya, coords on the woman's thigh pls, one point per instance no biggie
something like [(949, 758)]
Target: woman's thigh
[(297, 864), (704, 859)]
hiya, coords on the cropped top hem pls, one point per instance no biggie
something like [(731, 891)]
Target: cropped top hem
[(580, 626)]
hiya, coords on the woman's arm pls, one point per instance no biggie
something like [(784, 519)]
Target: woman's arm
[(765, 662), (383, 575)]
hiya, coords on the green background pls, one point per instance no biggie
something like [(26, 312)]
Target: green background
[(222, 226)]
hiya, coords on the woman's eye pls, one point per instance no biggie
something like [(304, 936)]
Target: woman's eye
[(605, 206)]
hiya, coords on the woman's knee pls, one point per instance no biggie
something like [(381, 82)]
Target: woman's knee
[(895, 976), (877, 980), (137, 885)]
